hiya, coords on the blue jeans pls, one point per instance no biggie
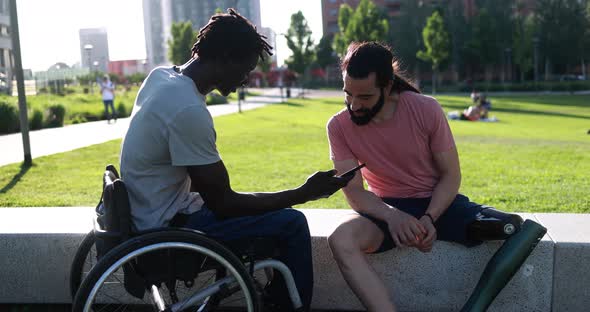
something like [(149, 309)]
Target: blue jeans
[(107, 104), (288, 226)]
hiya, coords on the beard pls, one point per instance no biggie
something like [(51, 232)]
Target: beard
[(363, 116)]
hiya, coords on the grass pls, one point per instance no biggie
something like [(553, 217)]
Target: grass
[(536, 159)]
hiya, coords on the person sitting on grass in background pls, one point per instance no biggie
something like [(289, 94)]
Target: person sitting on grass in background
[(474, 112)]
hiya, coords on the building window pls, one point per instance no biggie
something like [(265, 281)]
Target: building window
[(4, 30), (333, 12), (333, 1), (2, 60), (333, 27)]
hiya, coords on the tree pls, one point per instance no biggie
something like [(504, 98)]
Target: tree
[(366, 23), (340, 42), (522, 44), (561, 25), (436, 42), (407, 33), (299, 41), (324, 53), (179, 46)]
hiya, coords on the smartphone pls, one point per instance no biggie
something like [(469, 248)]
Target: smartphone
[(351, 171)]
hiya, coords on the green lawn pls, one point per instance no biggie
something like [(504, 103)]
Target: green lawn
[(537, 158)]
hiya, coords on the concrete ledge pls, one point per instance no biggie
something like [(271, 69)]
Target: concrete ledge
[(37, 246), (571, 272)]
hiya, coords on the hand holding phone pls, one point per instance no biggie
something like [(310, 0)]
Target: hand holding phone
[(352, 171)]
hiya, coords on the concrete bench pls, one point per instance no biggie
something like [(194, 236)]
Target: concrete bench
[(37, 246)]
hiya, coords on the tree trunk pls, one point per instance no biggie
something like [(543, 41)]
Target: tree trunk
[(434, 72)]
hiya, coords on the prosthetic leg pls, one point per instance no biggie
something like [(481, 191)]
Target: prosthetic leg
[(521, 238)]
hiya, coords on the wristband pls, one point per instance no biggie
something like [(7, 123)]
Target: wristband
[(429, 216)]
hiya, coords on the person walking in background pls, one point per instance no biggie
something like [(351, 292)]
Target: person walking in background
[(107, 89)]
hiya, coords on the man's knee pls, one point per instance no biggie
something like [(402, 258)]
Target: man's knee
[(344, 241)]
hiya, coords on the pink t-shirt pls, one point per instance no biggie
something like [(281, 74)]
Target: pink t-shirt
[(398, 151)]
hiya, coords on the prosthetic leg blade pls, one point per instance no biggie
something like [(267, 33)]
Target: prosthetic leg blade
[(503, 265)]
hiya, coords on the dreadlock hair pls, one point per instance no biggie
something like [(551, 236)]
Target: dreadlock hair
[(363, 58), (230, 37)]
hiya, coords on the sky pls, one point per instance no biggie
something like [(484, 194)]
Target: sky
[(49, 29)]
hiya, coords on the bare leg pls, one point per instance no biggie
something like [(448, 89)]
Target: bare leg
[(349, 243)]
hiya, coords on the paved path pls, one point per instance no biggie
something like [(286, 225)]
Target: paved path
[(57, 140)]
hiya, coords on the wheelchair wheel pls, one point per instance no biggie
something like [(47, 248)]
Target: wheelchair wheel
[(84, 260), (171, 270)]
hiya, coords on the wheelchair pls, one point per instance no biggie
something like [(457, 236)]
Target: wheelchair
[(167, 269)]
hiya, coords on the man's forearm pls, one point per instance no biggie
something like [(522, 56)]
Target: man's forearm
[(443, 195), (366, 202), (248, 204)]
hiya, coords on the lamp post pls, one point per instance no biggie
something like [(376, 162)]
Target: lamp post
[(20, 84), (55, 82), (536, 59), (88, 48), (509, 64)]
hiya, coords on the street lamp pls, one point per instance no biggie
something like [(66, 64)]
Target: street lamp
[(56, 83), (508, 64), (536, 58), (88, 48)]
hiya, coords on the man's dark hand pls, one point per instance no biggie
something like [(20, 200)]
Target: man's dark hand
[(322, 184)]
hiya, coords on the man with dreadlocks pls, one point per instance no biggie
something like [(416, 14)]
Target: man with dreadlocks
[(174, 173)]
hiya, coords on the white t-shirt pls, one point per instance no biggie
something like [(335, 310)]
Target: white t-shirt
[(170, 129), (107, 90)]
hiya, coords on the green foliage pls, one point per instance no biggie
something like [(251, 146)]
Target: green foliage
[(407, 32), (215, 98), (179, 46), (366, 23), (522, 46), (341, 42), (8, 118), (55, 116), (36, 120), (562, 27), (436, 41), (122, 111), (300, 43), (136, 78), (324, 54)]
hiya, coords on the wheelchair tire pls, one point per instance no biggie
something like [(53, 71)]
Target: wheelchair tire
[(109, 270), (81, 264)]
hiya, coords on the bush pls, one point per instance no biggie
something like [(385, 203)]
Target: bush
[(77, 119), (8, 118), (55, 116), (36, 120), (216, 98), (122, 110)]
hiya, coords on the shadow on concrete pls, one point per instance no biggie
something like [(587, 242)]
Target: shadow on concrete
[(23, 170)]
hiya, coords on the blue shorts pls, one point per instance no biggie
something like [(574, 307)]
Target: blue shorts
[(450, 227)]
